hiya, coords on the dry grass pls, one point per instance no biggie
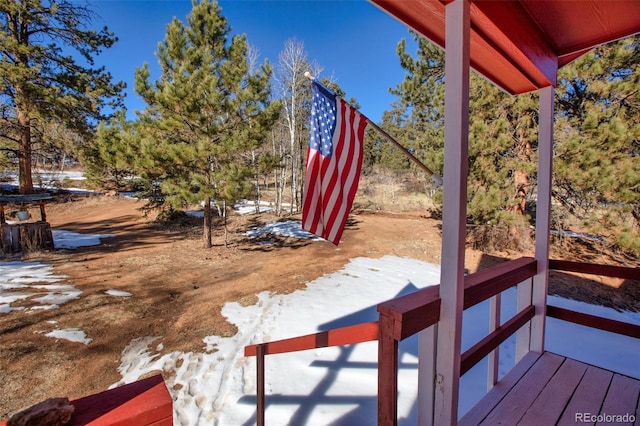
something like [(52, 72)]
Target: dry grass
[(381, 192)]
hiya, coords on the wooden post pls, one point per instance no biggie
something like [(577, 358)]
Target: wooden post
[(260, 408), (427, 344), (387, 373), (456, 131), (494, 356), (523, 335), (43, 214), (543, 217)]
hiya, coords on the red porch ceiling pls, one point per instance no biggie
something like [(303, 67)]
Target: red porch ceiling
[(520, 44)]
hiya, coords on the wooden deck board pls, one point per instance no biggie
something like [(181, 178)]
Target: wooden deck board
[(499, 391), (514, 405), (622, 398), (552, 389), (589, 395), (550, 404)]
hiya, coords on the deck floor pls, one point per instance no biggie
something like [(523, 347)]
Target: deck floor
[(550, 389)]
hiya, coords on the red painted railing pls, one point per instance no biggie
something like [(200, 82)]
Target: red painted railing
[(359, 333), (606, 324), (594, 269), (144, 402), (365, 332), (401, 318), (405, 316)]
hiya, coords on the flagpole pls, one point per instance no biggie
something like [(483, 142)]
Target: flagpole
[(436, 179)]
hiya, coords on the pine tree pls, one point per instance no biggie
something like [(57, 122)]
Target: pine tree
[(41, 82), (502, 134), (597, 165), (502, 154), (597, 134), (420, 109), (394, 122), (109, 161), (205, 114)]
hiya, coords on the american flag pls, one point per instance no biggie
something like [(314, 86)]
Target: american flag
[(334, 160)]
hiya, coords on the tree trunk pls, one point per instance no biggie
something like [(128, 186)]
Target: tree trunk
[(294, 170), (224, 220), (302, 165), (280, 181), (521, 181), (521, 178), (24, 156), (207, 223), (256, 176)]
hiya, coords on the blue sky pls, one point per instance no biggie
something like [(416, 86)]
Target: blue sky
[(353, 40)]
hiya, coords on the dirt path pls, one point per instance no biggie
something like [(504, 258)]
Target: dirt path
[(178, 288)]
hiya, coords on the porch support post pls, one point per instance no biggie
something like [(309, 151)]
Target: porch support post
[(454, 211), (543, 215), (427, 345)]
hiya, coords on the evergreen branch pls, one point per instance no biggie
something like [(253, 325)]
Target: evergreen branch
[(12, 151)]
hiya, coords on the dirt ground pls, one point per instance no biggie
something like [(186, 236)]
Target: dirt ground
[(179, 288)]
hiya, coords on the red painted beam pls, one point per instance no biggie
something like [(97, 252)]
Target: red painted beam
[(412, 312), (594, 269), (592, 321), (359, 333), (145, 402), (142, 403), (487, 283), (481, 349)]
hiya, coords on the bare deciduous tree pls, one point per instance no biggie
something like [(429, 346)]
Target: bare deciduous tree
[(294, 94)]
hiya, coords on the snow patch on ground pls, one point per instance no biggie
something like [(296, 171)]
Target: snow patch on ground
[(71, 240), (70, 334), (32, 283), (118, 293), (290, 228)]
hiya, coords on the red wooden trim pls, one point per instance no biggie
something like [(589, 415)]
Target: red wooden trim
[(606, 324), (145, 402), (478, 351), (359, 333), (413, 312), (165, 422), (387, 373), (593, 269), (489, 282)]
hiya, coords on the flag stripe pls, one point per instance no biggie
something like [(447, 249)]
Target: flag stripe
[(345, 154), (333, 165), (312, 195)]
